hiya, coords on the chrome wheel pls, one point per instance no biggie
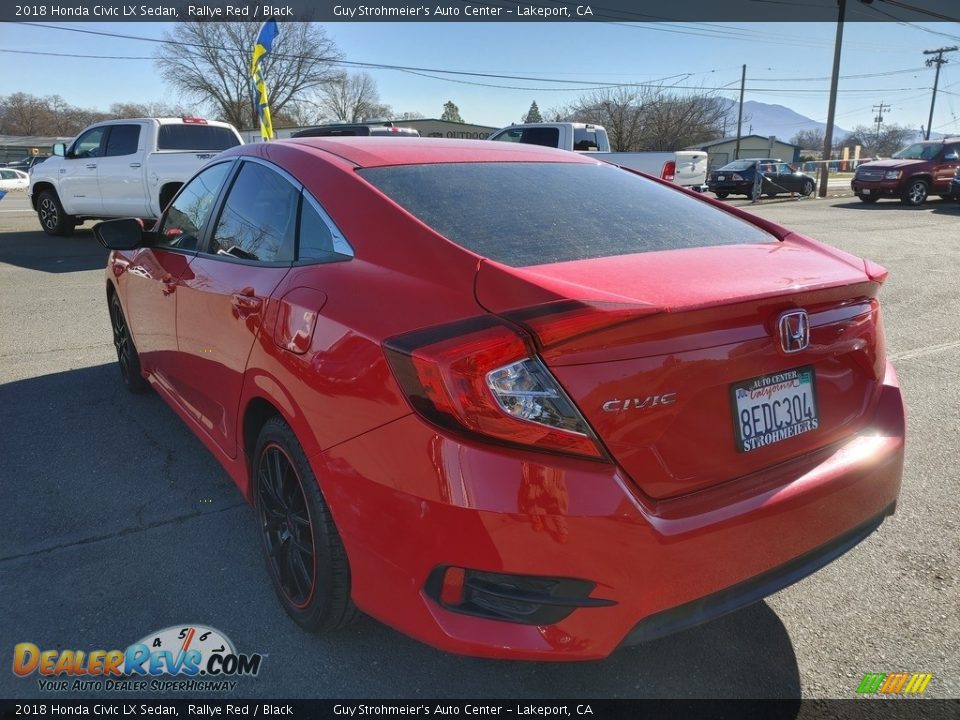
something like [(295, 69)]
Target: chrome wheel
[(49, 213), (916, 193), (285, 526)]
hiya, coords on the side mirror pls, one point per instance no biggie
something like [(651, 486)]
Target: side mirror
[(951, 156), (122, 234), (60, 149)]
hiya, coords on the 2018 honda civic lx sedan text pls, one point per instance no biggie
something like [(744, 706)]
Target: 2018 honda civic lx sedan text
[(509, 400)]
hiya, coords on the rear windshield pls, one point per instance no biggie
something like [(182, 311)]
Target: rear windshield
[(740, 165), (196, 137), (523, 214)]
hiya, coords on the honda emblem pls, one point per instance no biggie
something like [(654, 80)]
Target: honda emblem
[(794, 327)]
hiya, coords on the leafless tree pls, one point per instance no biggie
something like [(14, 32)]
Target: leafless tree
[(652, 118), (209, 62), (351, 97), (809, 139)]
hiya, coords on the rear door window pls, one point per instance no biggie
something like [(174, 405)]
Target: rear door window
[(259, 217), (522, 214), (123, 140), (584, 140)]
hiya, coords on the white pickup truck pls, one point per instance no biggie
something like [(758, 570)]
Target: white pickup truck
[(123, 168), (687, 168)]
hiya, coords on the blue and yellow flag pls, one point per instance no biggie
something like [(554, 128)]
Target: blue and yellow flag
[(262, 47)]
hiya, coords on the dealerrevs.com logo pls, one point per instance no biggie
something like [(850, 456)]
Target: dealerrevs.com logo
[(178, 658)]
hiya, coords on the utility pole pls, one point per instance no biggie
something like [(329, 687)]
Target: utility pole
[(743, 82), (938, 61), (879, 118), (832, 110)]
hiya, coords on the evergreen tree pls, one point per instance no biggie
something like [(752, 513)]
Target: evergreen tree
[(533, 114), (451, 112)]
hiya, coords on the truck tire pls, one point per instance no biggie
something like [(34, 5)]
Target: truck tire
[(53, 219), (915, 194)]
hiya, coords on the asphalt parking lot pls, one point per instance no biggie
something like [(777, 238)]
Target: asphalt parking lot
[(116, 522)]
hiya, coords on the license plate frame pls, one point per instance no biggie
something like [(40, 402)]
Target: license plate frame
[(721, 177), (771, 402), (865, 191)]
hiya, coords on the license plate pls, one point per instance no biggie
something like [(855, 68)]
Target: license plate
[(772, 408), (865, 191), (721, 177)]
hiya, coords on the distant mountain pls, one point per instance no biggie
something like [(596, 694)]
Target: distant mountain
[(778, 120)]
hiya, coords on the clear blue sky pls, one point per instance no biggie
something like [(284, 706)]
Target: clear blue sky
[(787, 64)]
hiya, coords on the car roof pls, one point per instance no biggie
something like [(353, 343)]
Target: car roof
[(382, 151)]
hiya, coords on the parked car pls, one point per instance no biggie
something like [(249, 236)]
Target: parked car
[(26, 163), (374, 129), (912, 174), (13, 179), (123, 168), (498, 422), (687, 168), (738, 177)]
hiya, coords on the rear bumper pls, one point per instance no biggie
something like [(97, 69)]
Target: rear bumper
[(408, 499), (741, 188)]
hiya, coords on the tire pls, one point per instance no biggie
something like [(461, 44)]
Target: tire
[(127, 357), (808, 188), (53, 219), (915, 194), (869, 199), (721, 195), (305, 557)]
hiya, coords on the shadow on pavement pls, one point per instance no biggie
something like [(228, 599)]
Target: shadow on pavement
[(116, 522), (38, 251)]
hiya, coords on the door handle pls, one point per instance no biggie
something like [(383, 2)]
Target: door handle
[(246, 302), (134, 164), (91, 165)]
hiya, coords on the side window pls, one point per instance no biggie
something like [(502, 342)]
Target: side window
[(183, 223), (7, 175), (320, 240), (784, 169), (88, 144), (259, 217), (508, 136), (950, 150), (123, 140)]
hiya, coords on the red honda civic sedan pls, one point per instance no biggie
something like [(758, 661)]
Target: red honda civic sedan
[(512, 401)]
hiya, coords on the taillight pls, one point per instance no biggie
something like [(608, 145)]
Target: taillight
[(482, 377), (669, 171)]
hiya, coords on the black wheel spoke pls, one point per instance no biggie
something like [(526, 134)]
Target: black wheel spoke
[(285, 524)]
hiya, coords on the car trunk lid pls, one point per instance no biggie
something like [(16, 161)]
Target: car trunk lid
[(653, 347)]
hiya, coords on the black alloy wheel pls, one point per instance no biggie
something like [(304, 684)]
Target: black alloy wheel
[(305, 556), (127, 356)]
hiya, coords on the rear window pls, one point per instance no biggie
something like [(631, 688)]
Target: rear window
[(196, 137), (584, 140), (523, 214), (740, 165)]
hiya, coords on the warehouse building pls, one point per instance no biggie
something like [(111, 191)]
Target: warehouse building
[(722, 151)]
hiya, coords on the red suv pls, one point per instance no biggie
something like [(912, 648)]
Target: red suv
[(913, 174), (495, 421)]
